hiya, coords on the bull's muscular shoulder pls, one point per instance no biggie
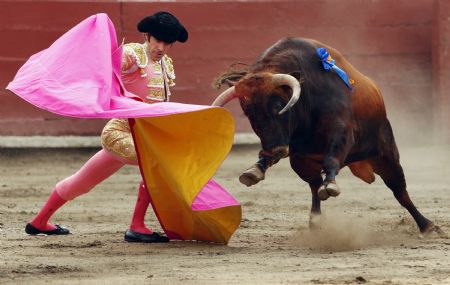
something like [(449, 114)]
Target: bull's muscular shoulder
[(367, 100)]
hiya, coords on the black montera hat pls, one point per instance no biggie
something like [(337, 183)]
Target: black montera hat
[(163, 26)]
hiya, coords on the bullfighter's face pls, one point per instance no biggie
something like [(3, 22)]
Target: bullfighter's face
[(156, 49)]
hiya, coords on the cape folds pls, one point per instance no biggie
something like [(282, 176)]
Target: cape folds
[(177, 161)]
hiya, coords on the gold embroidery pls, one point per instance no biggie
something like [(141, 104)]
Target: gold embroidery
[(156, 94), (169, 64), (169, 70), (117, 139), (157, 68), (138, 52), (155, 82)]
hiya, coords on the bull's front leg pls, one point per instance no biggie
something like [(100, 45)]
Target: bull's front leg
[(338, 148), (329, 187), (256, 172), (308, 169)]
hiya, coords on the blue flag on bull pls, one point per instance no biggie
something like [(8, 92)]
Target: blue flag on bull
[(328, 63)]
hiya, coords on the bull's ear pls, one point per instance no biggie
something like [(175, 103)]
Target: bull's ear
[(286, 90), (291, 81)]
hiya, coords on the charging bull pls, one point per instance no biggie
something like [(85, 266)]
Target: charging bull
[(305, 101)]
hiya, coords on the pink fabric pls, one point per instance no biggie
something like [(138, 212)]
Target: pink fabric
[(79, 76), (95, 170), (137, 222), (213, 196), (53, 203)]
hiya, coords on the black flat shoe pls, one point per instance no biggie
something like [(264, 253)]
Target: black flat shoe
[(131, 236), (31, 230)]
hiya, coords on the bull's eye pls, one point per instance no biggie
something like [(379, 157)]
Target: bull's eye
[(276, 107)]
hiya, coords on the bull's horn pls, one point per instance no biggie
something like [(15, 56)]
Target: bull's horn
[(225, 97), (291, 81)]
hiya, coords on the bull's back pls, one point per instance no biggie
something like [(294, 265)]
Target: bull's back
[(366, 98)]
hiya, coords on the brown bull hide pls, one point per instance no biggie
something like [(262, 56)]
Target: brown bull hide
[(329, 127)]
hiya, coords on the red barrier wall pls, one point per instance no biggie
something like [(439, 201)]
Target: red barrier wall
[(441, 70), (390, 41)]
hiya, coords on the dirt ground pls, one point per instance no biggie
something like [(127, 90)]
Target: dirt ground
[(365, 237)]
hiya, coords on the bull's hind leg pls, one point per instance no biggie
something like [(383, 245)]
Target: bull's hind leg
[(309, 171), (391, 172), (387, 165)]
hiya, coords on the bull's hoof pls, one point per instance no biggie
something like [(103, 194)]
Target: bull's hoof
[(251, 176), (322, 193), (327, 190), (315, 221), (333, 189), (431, 229)]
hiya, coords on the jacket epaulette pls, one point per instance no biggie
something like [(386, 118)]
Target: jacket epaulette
[(138, 52)]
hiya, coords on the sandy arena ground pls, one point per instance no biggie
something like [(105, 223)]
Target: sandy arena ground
[(366, 236)]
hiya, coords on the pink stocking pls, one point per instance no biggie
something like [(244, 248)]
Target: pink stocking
[(99, 167), (137, 222), (53, 203), (95, 170)]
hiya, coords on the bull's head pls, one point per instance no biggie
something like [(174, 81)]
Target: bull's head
[(265, 99)]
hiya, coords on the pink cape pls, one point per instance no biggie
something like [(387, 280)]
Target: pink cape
[(79, 76)]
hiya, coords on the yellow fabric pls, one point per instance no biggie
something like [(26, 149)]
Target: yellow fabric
[(178, 154)]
